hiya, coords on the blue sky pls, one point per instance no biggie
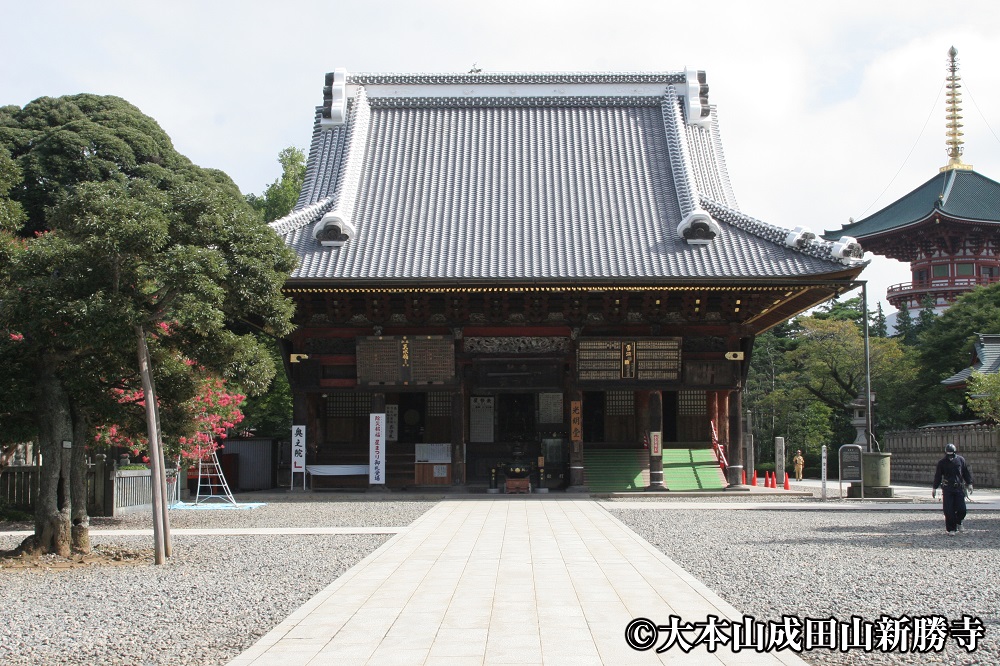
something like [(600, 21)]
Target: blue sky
[(828, 110)]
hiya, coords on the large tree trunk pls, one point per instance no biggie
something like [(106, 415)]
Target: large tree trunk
[(80, 531), (52, 506), (155, 457)]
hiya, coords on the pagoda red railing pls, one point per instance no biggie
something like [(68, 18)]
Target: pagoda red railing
[(936, 284)]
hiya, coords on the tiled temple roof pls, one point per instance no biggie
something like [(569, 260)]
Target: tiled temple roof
[(531, 177), (957, 194)]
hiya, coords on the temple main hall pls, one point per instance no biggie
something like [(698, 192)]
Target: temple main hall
[(538, 275)]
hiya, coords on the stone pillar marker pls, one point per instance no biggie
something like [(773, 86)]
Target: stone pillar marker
[(779, 460)]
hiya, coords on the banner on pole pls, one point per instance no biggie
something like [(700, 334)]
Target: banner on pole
[(656, 444), (376, 462)]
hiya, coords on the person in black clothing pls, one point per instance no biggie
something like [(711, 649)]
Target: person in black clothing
[(952, 476)]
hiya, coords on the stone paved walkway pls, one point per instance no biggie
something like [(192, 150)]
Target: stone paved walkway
[(501, 582)]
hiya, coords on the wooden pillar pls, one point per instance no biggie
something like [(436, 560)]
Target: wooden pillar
[(722, 417), (736, 448), (712, 402), (655, 424)]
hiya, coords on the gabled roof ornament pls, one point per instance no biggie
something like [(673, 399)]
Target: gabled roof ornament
[(954, 126), (696, 108), (798, 236), (698, 227), (847, 250), (333, 230), (335, 98)]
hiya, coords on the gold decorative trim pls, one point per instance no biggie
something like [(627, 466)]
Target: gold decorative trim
[(481, 290)]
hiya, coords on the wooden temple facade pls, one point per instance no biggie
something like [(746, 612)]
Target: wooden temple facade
[(524, 267)]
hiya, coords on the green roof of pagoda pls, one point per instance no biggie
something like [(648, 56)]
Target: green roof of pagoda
[(957, 193)]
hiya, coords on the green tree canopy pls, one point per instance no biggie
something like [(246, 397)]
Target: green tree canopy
[(125, 240), (281, 196), (984, 396), (823, 364)]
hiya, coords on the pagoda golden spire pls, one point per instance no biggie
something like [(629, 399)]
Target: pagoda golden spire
[(954, 117)]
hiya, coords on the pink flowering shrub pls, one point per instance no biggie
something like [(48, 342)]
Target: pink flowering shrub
[(215, 413)]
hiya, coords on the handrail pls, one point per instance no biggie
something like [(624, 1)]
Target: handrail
[(942, 283), (717, 447)]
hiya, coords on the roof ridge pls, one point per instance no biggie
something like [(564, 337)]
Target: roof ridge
[(352, 166), (680, 157), (798, 239), (301, 217), (439, 78), (720, 156)]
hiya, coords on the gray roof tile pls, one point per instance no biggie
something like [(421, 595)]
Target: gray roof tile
[(444, 190)]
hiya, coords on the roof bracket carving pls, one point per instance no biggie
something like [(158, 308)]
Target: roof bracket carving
[(798, 237), (847, 250), (698, 228), (696, 107), (335, 99), (334, 230)]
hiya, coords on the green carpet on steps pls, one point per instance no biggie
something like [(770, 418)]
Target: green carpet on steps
[(624, 470), (691, 469), (616, 470)]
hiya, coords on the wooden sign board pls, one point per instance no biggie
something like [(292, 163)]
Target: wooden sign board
[(401, 360), (638, 359)]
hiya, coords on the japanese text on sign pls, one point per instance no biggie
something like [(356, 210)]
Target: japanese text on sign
[(576, 420), (376, 467), (298, 449)]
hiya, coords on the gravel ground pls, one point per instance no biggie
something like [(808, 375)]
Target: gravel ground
[(211, 601), (821, 565), (218, 595)]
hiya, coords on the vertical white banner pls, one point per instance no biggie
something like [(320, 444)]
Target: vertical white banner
[(299, 454), (392, 423), (376, 459)]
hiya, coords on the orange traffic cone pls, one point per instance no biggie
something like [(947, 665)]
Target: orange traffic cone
[(744, 481), (767, 479), (753, 480), (772, 481), (788, 486)]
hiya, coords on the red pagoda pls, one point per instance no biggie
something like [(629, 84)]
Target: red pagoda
[(948, 229)]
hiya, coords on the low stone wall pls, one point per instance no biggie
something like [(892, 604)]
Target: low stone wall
[(915, 453)]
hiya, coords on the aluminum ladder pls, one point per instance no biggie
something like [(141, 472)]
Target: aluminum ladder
[(210, 476)]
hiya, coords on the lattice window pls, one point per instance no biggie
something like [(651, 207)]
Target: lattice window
[(691, 403), (340, 405), (438, 404), (619, 403), (362, 404)]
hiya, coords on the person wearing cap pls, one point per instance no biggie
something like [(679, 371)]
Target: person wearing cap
[(953, 477), (799, 463)]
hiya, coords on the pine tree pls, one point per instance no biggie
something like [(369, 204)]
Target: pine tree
[(905, 330), (926, 316), (880, 328)]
